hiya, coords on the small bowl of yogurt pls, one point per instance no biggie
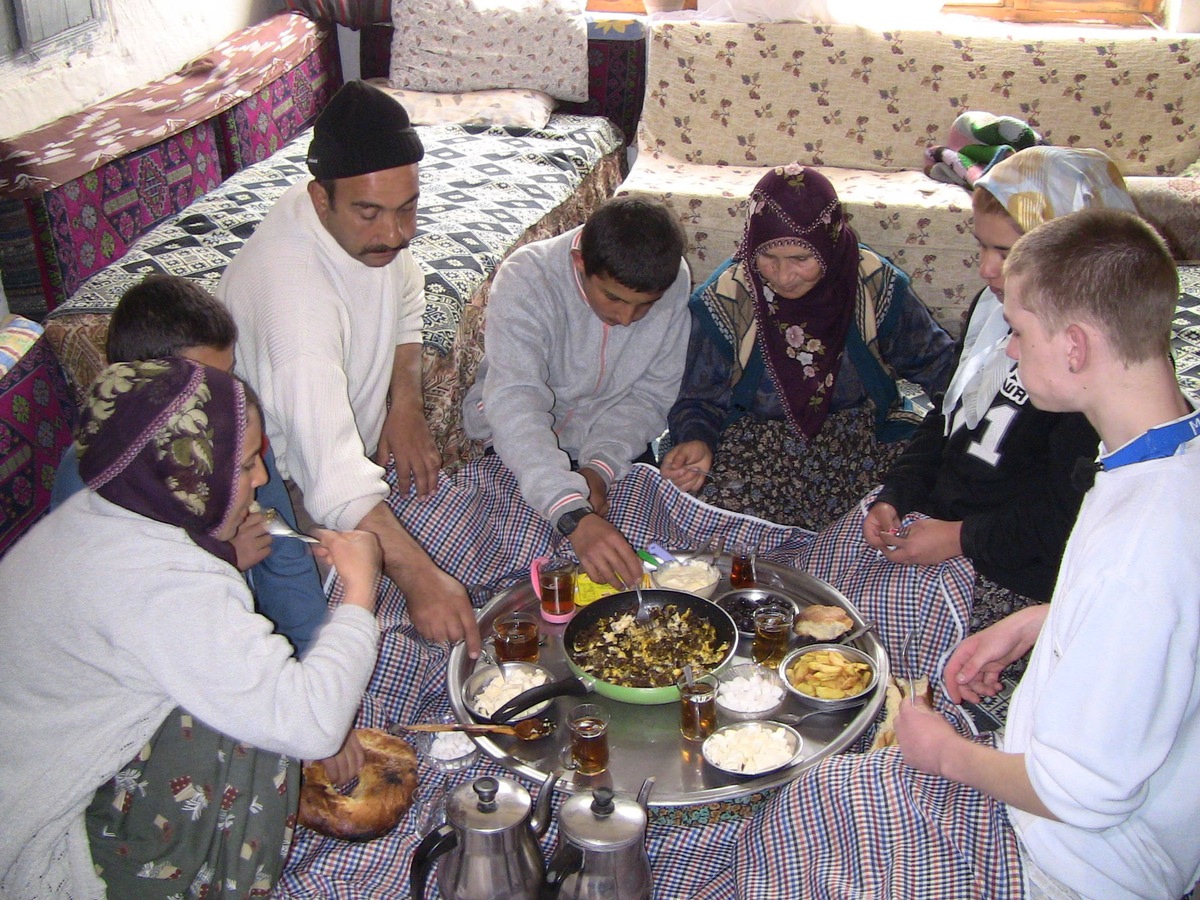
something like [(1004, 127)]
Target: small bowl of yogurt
[(695, 576), (753, 748), (749, 691)]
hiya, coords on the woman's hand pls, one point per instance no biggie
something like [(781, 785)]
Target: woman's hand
[(687, 465), (925, 542), (347, 762), (881, 523), (252, 543), (358, 557)]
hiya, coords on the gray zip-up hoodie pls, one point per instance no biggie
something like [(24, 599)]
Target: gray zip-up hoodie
[(557, 383)]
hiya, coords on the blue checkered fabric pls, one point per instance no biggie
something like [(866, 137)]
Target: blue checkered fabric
[(868, 826), (934, 602), (478, 528)]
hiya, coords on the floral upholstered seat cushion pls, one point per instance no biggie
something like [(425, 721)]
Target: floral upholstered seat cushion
[(725, 100)]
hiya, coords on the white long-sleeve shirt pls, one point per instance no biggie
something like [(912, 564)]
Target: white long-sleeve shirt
[(108, 621), (1108, 712), (317, 337)]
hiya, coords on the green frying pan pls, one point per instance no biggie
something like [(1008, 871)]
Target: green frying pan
[(626, 601)]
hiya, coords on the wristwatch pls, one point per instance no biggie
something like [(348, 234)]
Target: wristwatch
[(569, 521)]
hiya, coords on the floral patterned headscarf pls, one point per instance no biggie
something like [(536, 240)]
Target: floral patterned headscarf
[(802, 340), (163, 438)]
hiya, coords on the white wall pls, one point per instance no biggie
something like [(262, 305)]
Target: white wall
[(139, 41)]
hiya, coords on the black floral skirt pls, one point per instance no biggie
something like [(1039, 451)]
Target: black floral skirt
[(763, 468)]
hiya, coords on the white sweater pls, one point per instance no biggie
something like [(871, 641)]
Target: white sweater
[(109, 620), (317, 336), (1108, 713)]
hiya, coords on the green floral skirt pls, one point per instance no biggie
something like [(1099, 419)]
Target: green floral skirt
[(763, 468), (194, 814)]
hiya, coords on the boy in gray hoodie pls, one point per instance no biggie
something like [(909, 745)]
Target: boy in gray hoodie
[(586, 340)]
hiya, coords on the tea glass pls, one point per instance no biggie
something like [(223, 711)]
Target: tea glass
[(515, 637), (588, 724), (697, 705), (772, 631)]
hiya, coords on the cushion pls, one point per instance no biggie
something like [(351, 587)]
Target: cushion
[(452, 46), (499, 107)]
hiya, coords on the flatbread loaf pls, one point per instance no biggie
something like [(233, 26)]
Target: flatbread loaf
[(822, 623), (893, 696), (385, 790)]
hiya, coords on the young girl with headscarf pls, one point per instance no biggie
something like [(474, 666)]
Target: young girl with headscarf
[(790, 400), (994, 475), (132, 659)]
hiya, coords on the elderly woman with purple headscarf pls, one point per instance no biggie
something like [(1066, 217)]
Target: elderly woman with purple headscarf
[(790, 402), (151, 721)]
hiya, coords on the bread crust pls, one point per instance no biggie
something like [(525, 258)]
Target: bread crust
[(893, 696), (385, 790), (822, 623)]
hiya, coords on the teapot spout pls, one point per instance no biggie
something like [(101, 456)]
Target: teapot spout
[(643, 797), (541, 810)]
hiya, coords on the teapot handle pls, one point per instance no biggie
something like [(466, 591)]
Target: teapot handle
[(567, 859), (441, 840)]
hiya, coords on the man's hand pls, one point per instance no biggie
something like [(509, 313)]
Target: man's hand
[(973, 670), (924, 542), (252, 543), (687, 464), (605, 554), (406, 439), (924, 735), (357, 557), (597, 490), (439, 607), (347, 762), (437, 604), (405, 436)]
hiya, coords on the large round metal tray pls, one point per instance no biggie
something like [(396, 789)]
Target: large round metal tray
[(645, 740)]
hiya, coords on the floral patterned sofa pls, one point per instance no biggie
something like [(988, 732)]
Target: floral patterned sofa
[(725, 100)]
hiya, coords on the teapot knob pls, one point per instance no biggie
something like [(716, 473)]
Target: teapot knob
[(486, 789), (602, 802)]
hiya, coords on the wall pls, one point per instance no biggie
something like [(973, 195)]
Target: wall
[(139, 41)]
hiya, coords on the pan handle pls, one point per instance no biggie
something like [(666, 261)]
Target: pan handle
[(532, 697)]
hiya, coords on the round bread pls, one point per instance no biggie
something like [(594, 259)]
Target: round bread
[(384, 792), (822, 623)]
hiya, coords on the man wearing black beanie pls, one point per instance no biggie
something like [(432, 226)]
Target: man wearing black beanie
[(329, 301)]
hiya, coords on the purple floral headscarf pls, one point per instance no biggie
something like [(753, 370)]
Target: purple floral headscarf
[(802, 339), (163, 438)]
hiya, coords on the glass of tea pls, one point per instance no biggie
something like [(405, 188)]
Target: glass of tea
[(515, 637), (697, 704), (588, 723), (741, 564), (554, 579), (772, 631)]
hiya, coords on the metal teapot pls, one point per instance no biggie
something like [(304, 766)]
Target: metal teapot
[(602, 853), (490, 842)]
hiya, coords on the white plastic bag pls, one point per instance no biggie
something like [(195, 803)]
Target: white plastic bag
[(764, 10)]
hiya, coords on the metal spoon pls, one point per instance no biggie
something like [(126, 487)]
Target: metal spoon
[(793, 720), (277, 527), (857, 632)]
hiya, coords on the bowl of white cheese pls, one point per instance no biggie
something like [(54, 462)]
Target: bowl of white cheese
[(695, 576), (753, 748), (490, 687)]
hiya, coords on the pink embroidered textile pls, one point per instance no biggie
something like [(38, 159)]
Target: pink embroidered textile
[(237, 68)]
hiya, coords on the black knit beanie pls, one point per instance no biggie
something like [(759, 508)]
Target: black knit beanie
[(362, 130)]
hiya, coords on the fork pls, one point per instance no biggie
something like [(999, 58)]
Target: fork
[(277, 527), (904, 648), (643, 612)]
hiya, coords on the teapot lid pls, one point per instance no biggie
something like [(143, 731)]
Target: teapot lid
[(488, 805), (601, 821)]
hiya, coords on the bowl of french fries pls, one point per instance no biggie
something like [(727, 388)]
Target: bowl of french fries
[(828, 674)]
